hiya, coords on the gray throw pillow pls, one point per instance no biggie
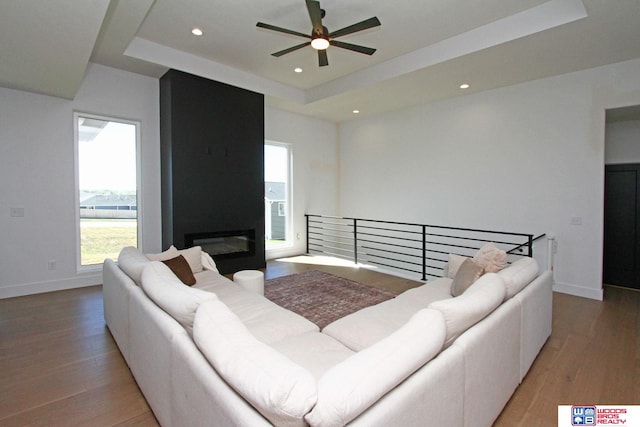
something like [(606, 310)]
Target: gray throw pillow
[(469, 272)]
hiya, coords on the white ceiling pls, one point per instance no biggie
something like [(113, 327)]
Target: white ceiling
[(425, 49)]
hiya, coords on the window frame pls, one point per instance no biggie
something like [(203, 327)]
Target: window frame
[(288, 203), (139, 208)]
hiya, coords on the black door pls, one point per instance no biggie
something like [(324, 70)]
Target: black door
[(621, 225)]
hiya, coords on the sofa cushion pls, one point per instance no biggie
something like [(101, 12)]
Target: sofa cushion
[(181, 269), (518, 275), (172, 252), (132, 262), (278, 388), (170, 294), (460, 313), (491, 258), (266, 320), (350, 387), (468, 272), (365, 327), (314, 351)]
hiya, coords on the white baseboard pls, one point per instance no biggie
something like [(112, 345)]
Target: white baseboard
[(50, 286), (579, 291)]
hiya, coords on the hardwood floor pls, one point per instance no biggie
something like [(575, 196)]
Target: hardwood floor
[(59, 365)]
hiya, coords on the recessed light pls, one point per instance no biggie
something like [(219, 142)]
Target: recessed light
[(196, 31), (464, 86), (356, 111), (297, 70)]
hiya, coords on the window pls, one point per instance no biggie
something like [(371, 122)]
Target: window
[(107, 189), (277, 199)]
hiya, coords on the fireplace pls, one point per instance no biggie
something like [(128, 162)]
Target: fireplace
[(224, 244)]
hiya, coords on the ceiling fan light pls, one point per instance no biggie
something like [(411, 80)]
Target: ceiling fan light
[(319, 43)]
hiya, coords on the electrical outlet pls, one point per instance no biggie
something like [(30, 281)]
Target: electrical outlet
[(51, 265), (16, 212), (576, 220)]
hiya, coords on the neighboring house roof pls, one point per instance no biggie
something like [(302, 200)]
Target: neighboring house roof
[(274, 191), (92, 199)]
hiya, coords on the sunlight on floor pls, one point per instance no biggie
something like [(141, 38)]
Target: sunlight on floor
[(322, 260)]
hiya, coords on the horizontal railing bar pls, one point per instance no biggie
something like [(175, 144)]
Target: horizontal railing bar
[(426, 225), (392, 259), (391, 229), (475, 239), (389, 244), (396, 267), (330, 229), (333, 247), (348, 224), (391, 237), (336, 242), (472, 239), (388, 251), (526, 244), (341, 236)]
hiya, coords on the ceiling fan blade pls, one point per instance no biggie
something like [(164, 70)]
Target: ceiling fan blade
[(281, 30), (315, 14), (353, 47), (363, 25), (323, 60), (291, 49)]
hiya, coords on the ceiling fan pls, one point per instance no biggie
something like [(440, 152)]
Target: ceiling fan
[(320, 38)]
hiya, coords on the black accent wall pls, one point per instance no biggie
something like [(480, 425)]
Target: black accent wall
[(212, 157)]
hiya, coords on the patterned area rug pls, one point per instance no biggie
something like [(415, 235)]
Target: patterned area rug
[(322, 297)]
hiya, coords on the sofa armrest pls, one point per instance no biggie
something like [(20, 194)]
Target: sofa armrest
[(536, 301), (116, 287)]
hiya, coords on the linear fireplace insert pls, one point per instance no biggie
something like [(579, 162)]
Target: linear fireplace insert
[(224, 244)]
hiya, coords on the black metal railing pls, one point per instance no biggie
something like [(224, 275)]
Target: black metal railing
[(415, 248)]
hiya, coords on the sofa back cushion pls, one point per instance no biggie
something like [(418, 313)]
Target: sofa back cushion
[(278, 388), (173, 296), (519, 274), (351, 386), (172, 252), (464, 311), (132, 262)]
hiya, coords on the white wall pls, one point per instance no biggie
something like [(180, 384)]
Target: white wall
[(37, 174), (315, 168), (525, 158), (622, 142)]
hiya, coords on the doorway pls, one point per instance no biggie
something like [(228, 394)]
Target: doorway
[(621, 225), (621, 251)]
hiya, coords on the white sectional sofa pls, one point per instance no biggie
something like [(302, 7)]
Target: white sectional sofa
[(217, 354)]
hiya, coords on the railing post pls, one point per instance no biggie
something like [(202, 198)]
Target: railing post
[(551, 247), (530, 245), (307, 216), (355, 240), (424, 252)]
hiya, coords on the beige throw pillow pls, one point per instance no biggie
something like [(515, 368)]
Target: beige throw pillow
[(469, 272), (193, 256), (491, 258)]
